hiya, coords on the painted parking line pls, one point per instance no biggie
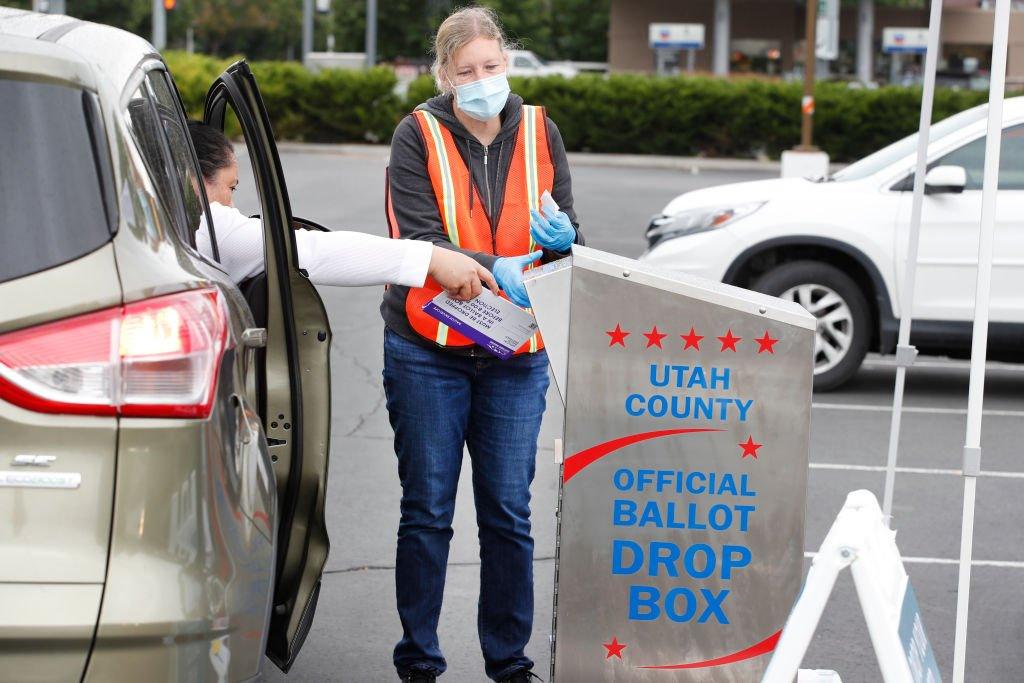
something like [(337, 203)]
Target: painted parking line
[(1003, 564), (911, 470), (869, 407)]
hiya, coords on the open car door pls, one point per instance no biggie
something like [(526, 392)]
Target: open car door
[(294, 378)]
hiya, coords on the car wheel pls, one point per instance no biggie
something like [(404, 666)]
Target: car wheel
[(844, 322)]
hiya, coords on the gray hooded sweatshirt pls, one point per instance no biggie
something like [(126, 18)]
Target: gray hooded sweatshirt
[(415, 206)]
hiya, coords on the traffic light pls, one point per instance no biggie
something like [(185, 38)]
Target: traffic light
[(169, 4)]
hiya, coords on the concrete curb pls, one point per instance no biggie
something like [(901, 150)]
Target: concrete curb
[(671, 163), (644, 161), (575, 158), (365, 151)]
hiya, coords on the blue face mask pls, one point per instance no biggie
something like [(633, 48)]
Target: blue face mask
[(483, 99)]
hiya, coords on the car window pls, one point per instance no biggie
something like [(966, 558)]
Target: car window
[(156, 125), (149, 137), (873, 163), (55, 183), (524, 62), (972, 158), (187, 175)]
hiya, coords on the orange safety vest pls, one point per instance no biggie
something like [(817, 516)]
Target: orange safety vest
[(530, 173)]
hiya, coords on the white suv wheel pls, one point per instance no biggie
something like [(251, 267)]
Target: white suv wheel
[(834, 334), (837, 302)]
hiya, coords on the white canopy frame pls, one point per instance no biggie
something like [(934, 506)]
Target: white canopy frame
[(979, 343), (905, 353)]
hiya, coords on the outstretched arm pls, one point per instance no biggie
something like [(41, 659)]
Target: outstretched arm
[(344, 258), (355, 258)]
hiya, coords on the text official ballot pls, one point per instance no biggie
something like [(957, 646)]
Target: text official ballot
[(494, 323)]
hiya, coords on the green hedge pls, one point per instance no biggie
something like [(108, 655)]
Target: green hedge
[(330, 106), (702, 116), (686, 116)]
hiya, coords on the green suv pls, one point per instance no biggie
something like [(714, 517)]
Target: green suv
[(163, 433)]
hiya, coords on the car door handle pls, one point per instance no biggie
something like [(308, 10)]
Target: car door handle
[(254, 337)]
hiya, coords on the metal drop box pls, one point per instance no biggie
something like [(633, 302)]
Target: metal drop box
[(683, 485)]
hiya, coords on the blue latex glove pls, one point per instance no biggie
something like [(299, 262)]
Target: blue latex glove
[(508, 271), (552, 230)]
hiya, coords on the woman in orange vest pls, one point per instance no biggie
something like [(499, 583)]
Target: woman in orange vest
[(467, 172)]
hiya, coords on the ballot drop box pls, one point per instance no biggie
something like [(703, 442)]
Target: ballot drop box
[(684, 470)]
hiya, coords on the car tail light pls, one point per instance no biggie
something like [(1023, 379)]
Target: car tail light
[(158, 357)]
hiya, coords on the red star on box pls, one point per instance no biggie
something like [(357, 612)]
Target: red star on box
[(654, 337), (692, 340), (729, 341), (766, 343), (750, 448), (618, 336), (614, 648)]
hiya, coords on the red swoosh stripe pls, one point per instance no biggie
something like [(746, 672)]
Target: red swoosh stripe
[(575, 463), (764, 647)]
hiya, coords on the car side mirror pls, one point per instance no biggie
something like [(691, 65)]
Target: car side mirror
[(945, 180)]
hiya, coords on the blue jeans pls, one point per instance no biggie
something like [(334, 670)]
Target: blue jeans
[(437, 402)]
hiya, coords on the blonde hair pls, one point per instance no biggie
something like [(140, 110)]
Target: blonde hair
[(457, 31)]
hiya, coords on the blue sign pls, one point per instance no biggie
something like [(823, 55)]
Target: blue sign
[(920, 658)]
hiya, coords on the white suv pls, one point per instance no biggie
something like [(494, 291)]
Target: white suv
[(837, 245)]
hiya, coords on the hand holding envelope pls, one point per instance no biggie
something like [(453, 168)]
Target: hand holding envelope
[(494, 323), (551, 228)]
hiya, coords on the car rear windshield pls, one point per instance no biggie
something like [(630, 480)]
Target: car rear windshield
[(55, 178)]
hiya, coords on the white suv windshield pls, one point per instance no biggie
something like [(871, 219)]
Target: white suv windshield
[(873, 163)]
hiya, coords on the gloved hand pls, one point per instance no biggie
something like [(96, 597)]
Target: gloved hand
[(508, 271), (552, 230)]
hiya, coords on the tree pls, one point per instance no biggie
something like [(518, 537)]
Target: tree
[(526, 22), (259, 29), (131, 16), (405, 28), (562, 29), (272, 29), (579, 29), (125, 14)]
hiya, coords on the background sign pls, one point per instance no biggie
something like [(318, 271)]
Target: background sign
[(676, 36), (684, 483), (905, 40), (826, 44)]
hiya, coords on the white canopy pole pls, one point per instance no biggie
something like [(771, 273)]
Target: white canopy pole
[(979, 344), (905, 353)]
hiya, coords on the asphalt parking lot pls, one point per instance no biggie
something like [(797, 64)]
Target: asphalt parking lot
[(356, 624)]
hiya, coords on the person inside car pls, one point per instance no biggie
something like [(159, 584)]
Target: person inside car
[(341, 258)]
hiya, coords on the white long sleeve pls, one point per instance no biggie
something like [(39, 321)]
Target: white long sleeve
[(340, 258)]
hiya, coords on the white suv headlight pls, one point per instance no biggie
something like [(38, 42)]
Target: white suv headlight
[(693, 221)]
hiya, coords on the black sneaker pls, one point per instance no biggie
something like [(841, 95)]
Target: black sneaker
[(521, 676), (419, 676)]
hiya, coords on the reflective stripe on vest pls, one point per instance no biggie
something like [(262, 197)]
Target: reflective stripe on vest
[(447, 197), (530, 172)]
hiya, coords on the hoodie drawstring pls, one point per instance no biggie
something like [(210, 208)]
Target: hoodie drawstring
[(469, 157)]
